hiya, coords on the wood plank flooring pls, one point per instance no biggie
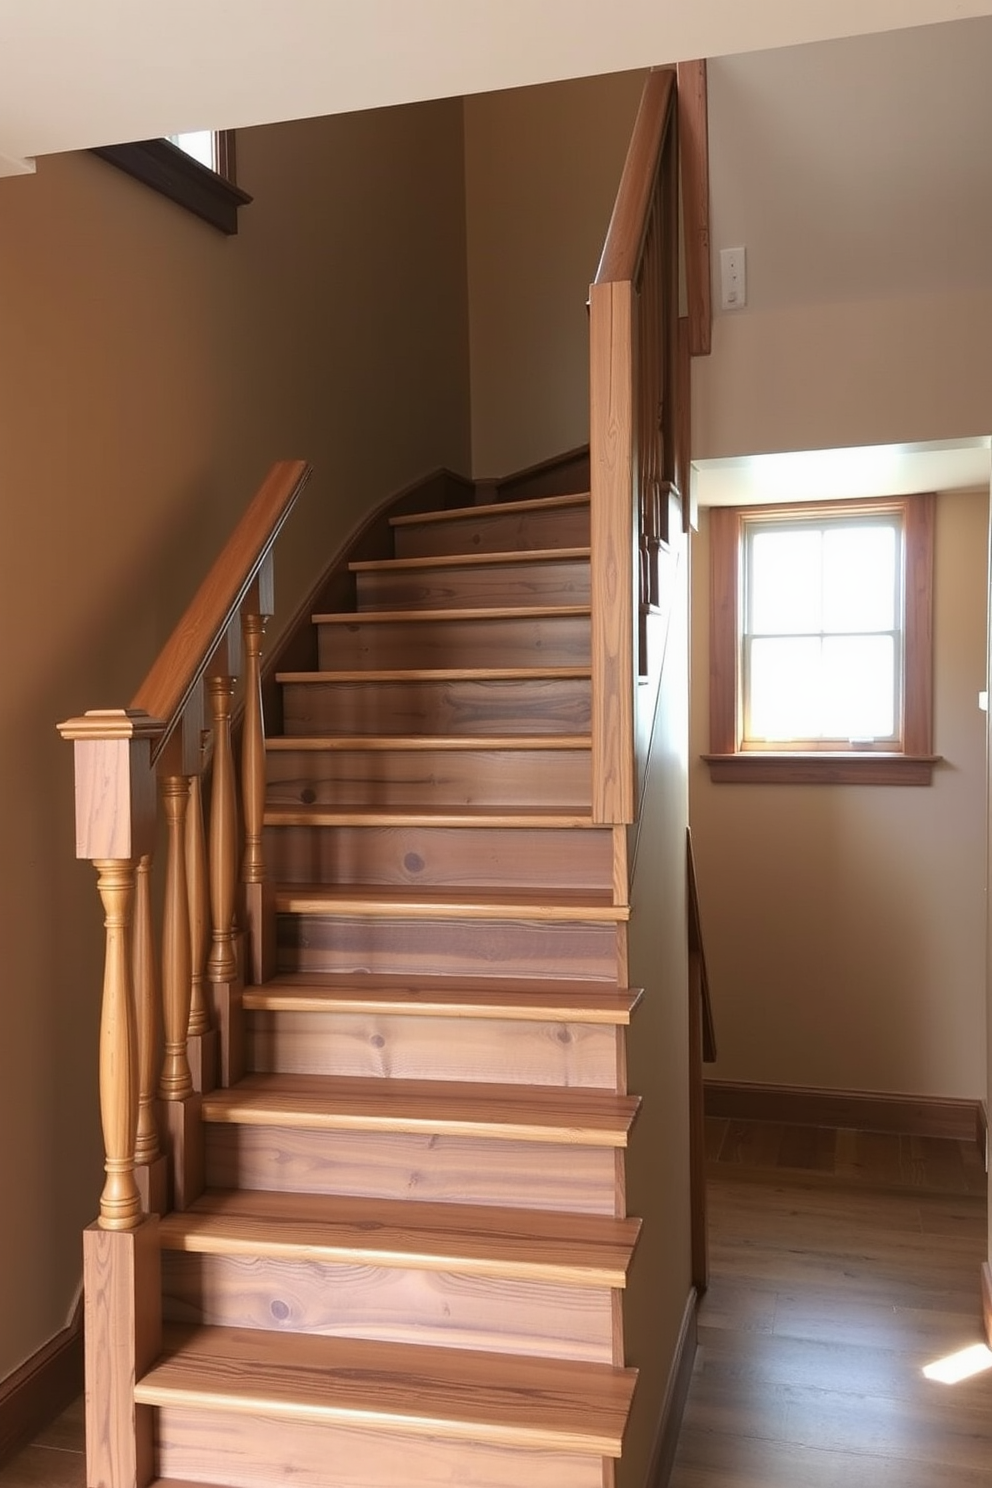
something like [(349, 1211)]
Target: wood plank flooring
[(841, 1264)]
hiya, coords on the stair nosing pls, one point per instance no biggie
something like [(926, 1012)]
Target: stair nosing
[(467, 817), (585, 1116), (471, 560), (459, 743), (301, 992), (403, 902), (358, 1381), (443, 674), (466, 513), (407, 1234), (461, 616)]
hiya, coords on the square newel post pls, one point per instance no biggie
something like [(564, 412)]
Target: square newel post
[(115, 820)]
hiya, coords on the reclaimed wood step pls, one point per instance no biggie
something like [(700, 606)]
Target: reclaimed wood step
[(548, 522), (451, 904), (456, 1393), (550, 773), (590, 1118), (404, 1271), (523, 1245), (395, 1046), (474, 580), (478, 997), (546, 851), (476, 638), (533, 700), (381, 943)]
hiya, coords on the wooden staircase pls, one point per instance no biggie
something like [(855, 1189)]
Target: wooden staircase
[(407, 1264)]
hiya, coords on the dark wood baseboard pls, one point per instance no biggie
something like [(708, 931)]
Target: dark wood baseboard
[(679, 1379), (907, 1115), (33, 1395), (987, 1301)]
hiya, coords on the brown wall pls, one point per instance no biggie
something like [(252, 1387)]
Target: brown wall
[(150, 371), (542, 167)]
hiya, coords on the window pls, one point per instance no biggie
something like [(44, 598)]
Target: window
[(820, 642), (177, 167)]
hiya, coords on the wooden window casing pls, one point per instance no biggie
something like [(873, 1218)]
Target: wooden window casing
[(912, 762)]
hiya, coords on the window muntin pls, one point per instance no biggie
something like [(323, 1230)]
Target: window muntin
[(822, 631)]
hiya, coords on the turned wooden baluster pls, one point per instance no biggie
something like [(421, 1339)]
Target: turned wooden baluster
[(222, 965), (259, 908), (147, 1003), (176, 1082), (115, 824), (253, 751), (199, 902), (120, 1202)]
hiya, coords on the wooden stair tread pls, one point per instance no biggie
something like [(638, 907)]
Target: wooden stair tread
[(464, 997), (520, 1244), (470, 560), (493, 508), (443, 674), (425, 816), (330, 743), (503, 1400), (448, 903), (458, 616), (547, 1113)]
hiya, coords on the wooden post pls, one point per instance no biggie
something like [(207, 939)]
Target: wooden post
[(115, 818)]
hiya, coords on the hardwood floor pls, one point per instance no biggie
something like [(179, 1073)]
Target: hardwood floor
[(841, 1264)]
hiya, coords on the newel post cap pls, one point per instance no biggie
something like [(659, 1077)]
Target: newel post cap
[(115, 783)]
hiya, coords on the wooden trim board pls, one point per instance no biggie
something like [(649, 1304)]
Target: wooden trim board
[(44, 1385), (670, 1420), (861, 1110)]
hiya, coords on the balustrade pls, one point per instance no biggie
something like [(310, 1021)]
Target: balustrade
[(154, 1013)]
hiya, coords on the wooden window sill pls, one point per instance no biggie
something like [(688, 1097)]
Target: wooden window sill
[(169, 170), (766, 768)]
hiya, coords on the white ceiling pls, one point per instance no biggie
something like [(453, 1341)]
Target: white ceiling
[(78, 74), (842, 474)]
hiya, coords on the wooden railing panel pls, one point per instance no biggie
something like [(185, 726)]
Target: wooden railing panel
[(694, 154), (612, 549), (186, 655)]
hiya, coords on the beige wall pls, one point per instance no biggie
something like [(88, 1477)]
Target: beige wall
[(542, 166), (658, 1043), (845, 925), (151, 370)]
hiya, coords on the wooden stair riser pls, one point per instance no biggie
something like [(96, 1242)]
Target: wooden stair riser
[(464, 947), (391, 1304), (467, 857), (444, 706), (507, 641), (396, 1165), (495, 530), (558, 581), (386, 778), (252, 1452), (416, 1048)]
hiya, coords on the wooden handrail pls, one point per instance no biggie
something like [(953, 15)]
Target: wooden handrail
[(620, 259), (184, 658)]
